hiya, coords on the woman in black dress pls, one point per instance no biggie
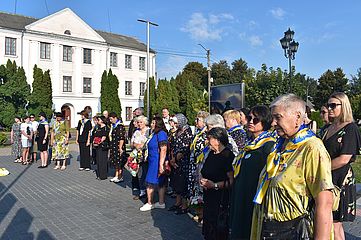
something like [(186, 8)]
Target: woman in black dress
[(248, 165), (43, 140), (99, 142), (216, 170), (117, 138), (83, 139), (343, 142)]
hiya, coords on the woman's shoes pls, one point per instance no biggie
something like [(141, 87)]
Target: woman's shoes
[(57, 167), (63, 168), (181, 211)]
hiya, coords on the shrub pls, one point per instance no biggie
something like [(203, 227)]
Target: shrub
[(3, 138)]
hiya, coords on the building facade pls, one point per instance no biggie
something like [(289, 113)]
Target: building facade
[(76, 56)]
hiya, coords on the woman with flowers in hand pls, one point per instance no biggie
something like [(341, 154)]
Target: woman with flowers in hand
[(247, 167), (295, 181), (343, 142), (100, 139), (117, 136)]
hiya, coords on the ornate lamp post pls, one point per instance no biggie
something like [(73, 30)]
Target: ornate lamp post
[(290, 48)]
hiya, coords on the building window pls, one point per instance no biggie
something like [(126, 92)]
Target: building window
[(128, 113), (128, 61), (67, 53), (142, 63), (10, 46), (87, 56), (142, 88), (87, 85), (44, 50), (113, 59), (128, 88), (66, 83), (67, 32)]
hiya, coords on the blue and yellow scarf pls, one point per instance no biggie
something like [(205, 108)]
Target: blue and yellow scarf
[(258, 142), (278, 159)]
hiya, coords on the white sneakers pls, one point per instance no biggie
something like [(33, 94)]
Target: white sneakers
[(148, 207), (116, 180)]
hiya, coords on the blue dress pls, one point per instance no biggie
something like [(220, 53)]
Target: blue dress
[(153, 158)]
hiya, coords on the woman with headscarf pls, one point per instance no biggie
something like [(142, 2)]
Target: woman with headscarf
[(343, 142), (60, 141), (180, 164), (247, 167), (83, 139), (296, 181)]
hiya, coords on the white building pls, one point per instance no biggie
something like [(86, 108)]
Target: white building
[(76, 56)]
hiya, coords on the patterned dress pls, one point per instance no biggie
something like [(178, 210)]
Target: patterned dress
[(239, 135), (116, 134), (181, 145), (60, 148), (16, 147), (195, 191)]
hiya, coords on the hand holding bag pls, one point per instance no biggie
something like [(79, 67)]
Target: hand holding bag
[(224, 208)]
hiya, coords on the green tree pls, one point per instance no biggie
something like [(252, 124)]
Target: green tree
[(14, 92), (194, 102), (355, 94), (152, 99), (41, 98), (166, 97), (200, 79), (221, 73), (109, 97)]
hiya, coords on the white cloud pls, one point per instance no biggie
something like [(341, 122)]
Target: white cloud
[(255, 41), (252, 24), (201, 27), (278, 13)]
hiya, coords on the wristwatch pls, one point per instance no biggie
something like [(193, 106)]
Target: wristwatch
[(216, 187)]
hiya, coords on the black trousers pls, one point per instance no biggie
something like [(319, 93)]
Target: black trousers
[(102, 163), (84, 155)]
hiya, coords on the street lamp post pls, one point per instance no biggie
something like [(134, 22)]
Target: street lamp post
[(290, 47), (209, 75), (148, 61)]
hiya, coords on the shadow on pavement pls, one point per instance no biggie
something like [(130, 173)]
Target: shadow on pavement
[(351, 237)]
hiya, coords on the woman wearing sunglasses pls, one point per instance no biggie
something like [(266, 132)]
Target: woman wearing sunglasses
[(343, 142), (247, 167)]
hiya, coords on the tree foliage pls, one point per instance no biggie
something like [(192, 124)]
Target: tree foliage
[(14, 93), (109, 97), (41, 98), (152, 98)]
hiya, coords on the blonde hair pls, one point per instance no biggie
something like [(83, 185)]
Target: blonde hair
[(202, 114), (346, 110), (232, 114)]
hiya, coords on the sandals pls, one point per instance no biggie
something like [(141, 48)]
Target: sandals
[(57, 167), (17, 161), (63, 168)]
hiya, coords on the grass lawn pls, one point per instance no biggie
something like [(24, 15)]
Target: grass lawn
[(357, 169)]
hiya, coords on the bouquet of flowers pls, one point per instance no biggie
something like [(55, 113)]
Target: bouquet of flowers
[(132, 164)]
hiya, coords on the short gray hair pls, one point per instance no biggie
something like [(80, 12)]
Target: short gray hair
[(142, 118), (291, 103), (215, 120)]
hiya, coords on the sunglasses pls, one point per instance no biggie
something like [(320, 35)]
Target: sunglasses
[(332, 106), (255, 119)]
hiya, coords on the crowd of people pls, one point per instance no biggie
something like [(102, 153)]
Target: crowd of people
[(259, 173)]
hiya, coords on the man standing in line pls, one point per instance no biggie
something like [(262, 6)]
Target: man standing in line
[(165, 115), (34, 145)]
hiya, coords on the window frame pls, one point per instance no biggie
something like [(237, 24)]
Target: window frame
[(142, 64), (128, 61), (45, 51), (113, 59), (85, 85), (87, 59), (67, 86), (67, 53), (10, 46), (128, 113), (128, 88), (142, 87)]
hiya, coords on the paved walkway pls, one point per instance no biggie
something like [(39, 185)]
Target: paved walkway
[(52, 204)]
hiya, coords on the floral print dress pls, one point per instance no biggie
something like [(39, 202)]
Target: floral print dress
[(117, 133), (60, 147), (16, 147)]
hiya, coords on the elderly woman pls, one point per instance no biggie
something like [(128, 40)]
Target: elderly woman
[(60, 141), (137, 142), (100, 142), (83, 140), (216, 178), (247, 167), (180, 164), (232, 119), (117, 136), (343, 142), (16, 139), (199, 141), (296, 180), (155, 154)]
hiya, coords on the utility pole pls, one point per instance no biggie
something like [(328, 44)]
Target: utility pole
[(148, 62), (209, 75)]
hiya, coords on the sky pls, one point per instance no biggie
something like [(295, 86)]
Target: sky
[(328, 31)]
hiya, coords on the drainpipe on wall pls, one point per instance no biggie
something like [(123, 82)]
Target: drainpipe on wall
[(22, 48)]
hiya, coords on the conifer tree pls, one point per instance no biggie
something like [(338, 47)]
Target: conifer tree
[(109, 97), (152, 99)]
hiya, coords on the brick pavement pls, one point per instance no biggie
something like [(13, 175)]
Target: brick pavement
[(52, 204)]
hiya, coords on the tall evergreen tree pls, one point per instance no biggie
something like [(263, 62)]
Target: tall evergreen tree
[(109, 97), (41, 98), (152, 99)]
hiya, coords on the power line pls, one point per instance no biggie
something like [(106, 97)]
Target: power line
[(46, 5), (110, 27), (16, 3), (179, 54)]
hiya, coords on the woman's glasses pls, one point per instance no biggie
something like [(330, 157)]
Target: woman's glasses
[(255, 119), (332, 106)]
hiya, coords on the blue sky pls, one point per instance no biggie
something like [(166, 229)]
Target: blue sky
[(328, 31)]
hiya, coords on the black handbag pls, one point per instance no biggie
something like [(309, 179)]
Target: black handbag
[(224, 208)]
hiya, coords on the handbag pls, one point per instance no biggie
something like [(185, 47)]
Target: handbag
[(223, 213)]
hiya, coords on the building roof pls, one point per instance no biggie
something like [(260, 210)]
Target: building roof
[(19, 22)]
